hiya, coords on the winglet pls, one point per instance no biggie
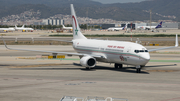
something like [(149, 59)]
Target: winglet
[(4, 42), (177, 42)]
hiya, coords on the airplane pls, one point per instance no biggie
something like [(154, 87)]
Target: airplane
[(23, 28), (92, 50), (150, 27), (117, 29), (67, 28), (7, 29)]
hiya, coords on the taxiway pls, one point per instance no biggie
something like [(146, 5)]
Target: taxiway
[(49, 80)]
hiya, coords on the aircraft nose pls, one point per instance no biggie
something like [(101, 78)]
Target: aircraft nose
[(147, 56)]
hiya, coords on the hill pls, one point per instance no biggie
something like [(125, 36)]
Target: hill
[(118, 11), (50, 3), (164, 7)]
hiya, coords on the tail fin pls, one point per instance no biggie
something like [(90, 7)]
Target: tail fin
[(15, 26), (76, 29), (23, 26), (177, 42), (63, 26), (125, 27), (159, 25)]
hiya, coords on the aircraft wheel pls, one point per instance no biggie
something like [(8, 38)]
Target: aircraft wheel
[(116, 65), (138, 70), (120, 65)]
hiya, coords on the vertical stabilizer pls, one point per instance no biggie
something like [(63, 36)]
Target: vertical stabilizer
[(23, 26), (125, 27), (177, 42), (15, 26), (76, 30), (159, 25), (63, 26)]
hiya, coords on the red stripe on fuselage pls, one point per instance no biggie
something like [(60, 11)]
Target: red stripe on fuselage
[(109, 53)]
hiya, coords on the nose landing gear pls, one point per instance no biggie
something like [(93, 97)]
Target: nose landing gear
[(138, 69)]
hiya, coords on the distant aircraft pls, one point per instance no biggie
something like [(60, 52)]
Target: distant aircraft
[(117, 29), (150, 27), (7, 29), (92, 50), (67, 28), (23, 28)]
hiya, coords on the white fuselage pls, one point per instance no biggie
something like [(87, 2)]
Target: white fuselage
[(115, 29), (146, 27), (67, 28), (114, 51), (21, 28), (7, 29)]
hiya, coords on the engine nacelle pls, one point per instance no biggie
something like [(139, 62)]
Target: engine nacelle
[(88, 61)]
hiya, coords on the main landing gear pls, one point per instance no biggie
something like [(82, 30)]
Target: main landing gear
[(118, 65)]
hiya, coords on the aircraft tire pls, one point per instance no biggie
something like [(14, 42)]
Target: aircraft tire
[(138, 70), (120, 65), (116, 65)]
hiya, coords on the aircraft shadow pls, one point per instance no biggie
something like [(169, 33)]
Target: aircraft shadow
[(161, 65), (5, 65), (126, 69)]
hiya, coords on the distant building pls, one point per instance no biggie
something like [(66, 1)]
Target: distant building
[(129, 25), (53, 22), (106, 26), (140, 24)]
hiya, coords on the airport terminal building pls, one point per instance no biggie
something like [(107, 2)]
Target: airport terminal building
[(168, 25), (53, 22)]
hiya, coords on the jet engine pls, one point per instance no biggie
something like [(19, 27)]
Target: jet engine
[(88, 61)]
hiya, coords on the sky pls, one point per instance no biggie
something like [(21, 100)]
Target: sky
[(117, 1)]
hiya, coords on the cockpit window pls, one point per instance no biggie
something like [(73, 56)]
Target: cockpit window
[(140, 51), (136, 51)]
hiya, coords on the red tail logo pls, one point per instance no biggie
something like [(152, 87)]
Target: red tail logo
[(74, 21)]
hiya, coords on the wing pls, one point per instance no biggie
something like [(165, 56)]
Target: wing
[(59, 40), (176, 45), (54, 52)]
